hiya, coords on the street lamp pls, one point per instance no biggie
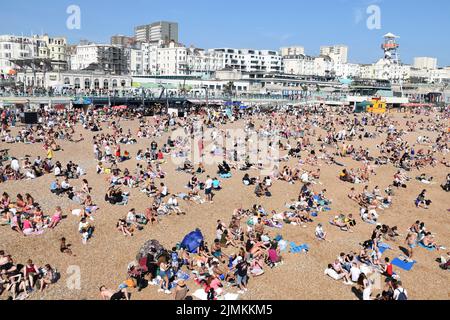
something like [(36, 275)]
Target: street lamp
[(207, 95)]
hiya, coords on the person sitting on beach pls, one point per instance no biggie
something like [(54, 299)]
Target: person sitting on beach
[(421, 200), (320, 234), (337, 276), (86, 230), (50, 276), (56, 218), (246, 180), (64, 247), (446, 185), (429, 242), (123, 227), (389, 233)]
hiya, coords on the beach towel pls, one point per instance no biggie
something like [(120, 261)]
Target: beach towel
[(403, 264), (226, 176), (182, 275), (298, 249), (201, 295), (425, 247), (383, 247), (76, 212), (282, 245)]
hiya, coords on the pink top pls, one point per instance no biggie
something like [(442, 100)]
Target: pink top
[(27, 225)]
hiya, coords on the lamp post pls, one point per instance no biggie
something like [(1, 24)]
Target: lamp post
[(207, 95)]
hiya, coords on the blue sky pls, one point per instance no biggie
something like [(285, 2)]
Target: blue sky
[(423, 26)]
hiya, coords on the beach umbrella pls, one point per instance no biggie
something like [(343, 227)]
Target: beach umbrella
[(151, 246), (192, 241)]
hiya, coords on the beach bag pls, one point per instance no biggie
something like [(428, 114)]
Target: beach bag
[(56, 276), (402, 295), (131, 283)]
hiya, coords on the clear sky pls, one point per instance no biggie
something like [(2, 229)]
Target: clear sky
[(423, 25)]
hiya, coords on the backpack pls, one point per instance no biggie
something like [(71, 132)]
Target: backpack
[(402, 295)]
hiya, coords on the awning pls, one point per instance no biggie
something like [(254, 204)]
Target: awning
[(123, 107), (59, 107), (417, 105), (364, 104), (82, 101)]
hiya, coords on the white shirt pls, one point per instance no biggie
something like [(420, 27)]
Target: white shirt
[(65, 185), (398, 291), (15, 165), (57, 171), (172, 202), (208, 184), (131, 217), (319, 232), (355, 273), (367, 290)]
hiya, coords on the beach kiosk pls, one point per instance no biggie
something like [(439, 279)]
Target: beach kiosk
[(378, 106), (361, 107)]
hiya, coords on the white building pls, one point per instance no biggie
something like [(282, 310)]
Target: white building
[(323, 66), (299, 65), (79, 80), (292, 51), (338, 53), (203, 63), (346, 70), (425, 63), (386, 70), (12, 47), (249, 60), (172, 60), (103, 57), (39, 47)]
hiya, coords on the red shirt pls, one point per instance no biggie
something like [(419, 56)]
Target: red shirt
[(389, 269)]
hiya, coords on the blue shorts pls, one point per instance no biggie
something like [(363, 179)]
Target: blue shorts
[(208, 191), (242, 280)]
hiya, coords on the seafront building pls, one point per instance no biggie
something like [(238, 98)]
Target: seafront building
[(154, 61)]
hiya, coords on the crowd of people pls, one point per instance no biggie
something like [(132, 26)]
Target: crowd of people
[(251, 242)]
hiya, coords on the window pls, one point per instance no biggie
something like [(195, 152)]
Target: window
[(87, 83), (105, 84), (96, 84), (77, 83), (114, 84), (66, 81)]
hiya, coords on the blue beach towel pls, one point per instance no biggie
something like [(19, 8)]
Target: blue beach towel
[(403, 265), (425, 247), (298, 249), (383, 247)]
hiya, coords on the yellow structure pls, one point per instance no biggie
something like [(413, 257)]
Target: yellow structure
[(378, 106)]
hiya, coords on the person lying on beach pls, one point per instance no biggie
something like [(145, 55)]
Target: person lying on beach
[(65, 248), (107, 294)]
